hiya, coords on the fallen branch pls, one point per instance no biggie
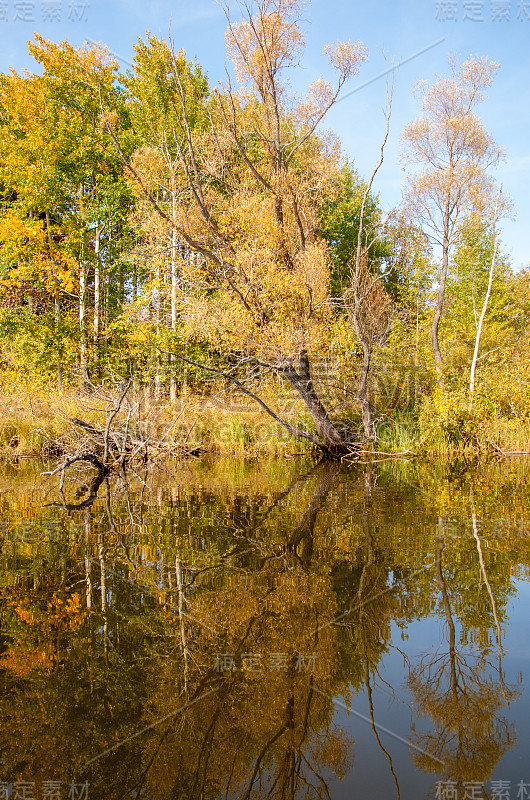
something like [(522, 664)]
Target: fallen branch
[(90, 457), (508, 452)]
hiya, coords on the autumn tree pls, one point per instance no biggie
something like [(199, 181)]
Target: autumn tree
[(463, 697), (32, 260), (153, 97), (255, 179), (452, 151), (62, 181), (367, 304)]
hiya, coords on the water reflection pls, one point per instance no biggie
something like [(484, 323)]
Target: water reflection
[(463, 694), (194, 634)]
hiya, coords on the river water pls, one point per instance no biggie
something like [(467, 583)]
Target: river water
[(272, 629)]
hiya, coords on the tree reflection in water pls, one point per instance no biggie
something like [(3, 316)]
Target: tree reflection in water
[(462, 693), (263, 732), (127, 611)]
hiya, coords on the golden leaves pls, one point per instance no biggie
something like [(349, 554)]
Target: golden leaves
[(449, 132), (25, 247), (346, 57), (64, 60), (265, 43), (452, 149), (319, 97)]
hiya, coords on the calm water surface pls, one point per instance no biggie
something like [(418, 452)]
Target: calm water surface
[(266, 630)]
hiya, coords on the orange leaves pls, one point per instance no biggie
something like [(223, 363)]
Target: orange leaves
[(314, 271), (319, 97), (449, 135), (25, 615), (150, 164), (452, 150)]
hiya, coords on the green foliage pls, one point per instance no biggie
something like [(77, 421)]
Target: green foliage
[(31, 341), (466, 289), (449, 416), (339, 221), (155, 88), (70, 209)]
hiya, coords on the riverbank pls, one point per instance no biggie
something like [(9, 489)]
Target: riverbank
[(45, 423)]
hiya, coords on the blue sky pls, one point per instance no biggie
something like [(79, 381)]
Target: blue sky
[(394, 29)]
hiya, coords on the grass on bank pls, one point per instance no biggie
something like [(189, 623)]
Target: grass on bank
[(447, 425), (33, 419), (37, 421)]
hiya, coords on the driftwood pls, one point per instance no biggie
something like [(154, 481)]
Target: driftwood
[(122, 439), (90, 457), (507, 452), (93, 489), (98, 444)]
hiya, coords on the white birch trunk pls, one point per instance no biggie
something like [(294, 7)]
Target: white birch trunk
[(485, 304), (97, 294), (174, 278), (83, 345)]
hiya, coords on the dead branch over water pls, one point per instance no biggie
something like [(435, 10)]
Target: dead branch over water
[(126, 437)]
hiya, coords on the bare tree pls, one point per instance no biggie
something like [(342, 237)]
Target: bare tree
[(367, 303)]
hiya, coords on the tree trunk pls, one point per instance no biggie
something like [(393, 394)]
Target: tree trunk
[(416, 351), (485, 304), (440, 580), (303, 384), (102, 551), (181, 613), (120, 294), (363, 392), (360, 296), (83, 345), (135, 281), (58, 333), (440, 304), (174, 285), (97, 298), (87, 524), (57, 309), (303, 533), (157, 302)]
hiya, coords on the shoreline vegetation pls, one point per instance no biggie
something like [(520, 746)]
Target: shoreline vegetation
[(56, 424), (189, 269)]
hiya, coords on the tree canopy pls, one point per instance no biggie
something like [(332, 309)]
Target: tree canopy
[(155, 224)]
